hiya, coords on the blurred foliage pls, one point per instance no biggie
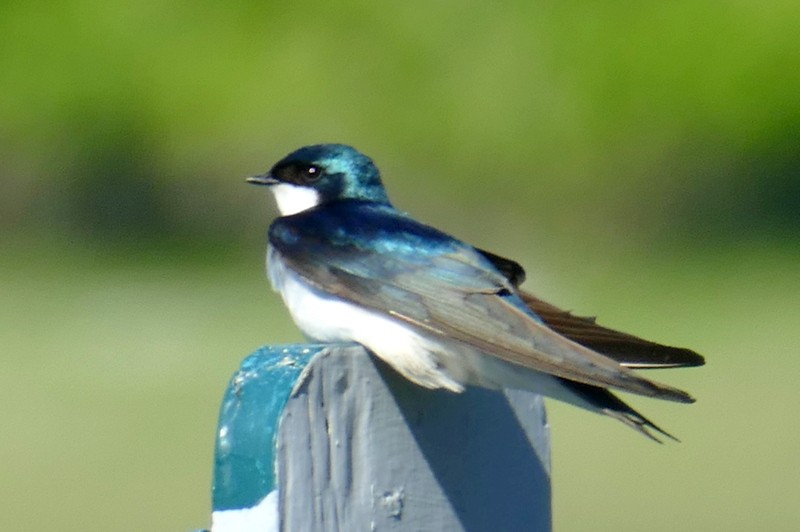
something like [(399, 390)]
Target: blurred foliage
[(641, 160), (141, 117)]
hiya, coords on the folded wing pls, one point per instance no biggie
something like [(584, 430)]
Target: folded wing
[(396, 266)]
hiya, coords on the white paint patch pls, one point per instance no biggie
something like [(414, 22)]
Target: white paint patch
[(292, 199), (262, 517)]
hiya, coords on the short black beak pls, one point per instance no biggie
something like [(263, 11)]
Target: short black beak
[(264, 179)]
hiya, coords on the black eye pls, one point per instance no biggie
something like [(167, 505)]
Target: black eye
[(298, 173), (310, 173)]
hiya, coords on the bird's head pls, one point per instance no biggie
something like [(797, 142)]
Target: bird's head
[(320, 174)]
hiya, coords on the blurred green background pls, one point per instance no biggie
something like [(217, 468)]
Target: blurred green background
[(641, 161)]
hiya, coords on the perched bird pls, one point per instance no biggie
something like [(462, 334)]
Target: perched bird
[(352, 268)]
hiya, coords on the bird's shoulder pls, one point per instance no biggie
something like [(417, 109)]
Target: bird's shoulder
[(374, 240), (361, 225)]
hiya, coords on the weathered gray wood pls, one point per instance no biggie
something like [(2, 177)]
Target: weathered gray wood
[(361, 448)]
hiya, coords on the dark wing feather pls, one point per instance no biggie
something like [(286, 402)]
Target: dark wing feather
[(440, 285), (615, 407), (630, 351), (510, 269)]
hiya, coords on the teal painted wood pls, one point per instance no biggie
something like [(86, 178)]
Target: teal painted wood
[(244, 468)]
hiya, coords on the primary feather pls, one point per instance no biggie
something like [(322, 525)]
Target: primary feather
[(627, 349)]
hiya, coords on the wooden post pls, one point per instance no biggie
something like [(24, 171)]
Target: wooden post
[(361, 448)]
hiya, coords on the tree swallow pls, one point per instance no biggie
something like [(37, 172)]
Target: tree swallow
[(444, 314)]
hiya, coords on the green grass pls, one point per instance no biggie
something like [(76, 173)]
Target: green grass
[(113, 368), (736, 468)]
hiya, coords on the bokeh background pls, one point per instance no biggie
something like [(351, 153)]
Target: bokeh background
[(642, 161)]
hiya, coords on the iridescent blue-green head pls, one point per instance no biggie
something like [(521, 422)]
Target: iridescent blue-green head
[(323, 173)]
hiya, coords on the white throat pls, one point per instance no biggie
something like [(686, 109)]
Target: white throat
[(292, 199)]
